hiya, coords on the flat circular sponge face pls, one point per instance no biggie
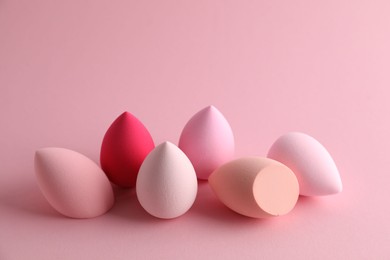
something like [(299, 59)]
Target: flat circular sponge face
[(276, 189)]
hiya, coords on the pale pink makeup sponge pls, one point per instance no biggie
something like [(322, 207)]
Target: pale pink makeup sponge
[(310, 161), (73, 184), (256, 187), (125, 146), (208, 141), (166, 184)]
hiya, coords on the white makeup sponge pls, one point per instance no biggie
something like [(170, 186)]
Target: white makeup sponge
[(166, 183)]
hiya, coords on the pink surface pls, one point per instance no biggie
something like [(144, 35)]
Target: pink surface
[(68, 68)]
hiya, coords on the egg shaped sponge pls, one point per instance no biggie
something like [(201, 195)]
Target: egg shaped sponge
[(166, 184)]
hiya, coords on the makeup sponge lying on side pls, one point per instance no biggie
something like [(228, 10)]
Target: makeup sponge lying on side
[(314, 167), (256, 187), (73, 184)]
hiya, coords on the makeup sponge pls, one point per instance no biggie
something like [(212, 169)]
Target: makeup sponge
[(73, 184), (256, 187), (208, 141), (166, 184), (125, 146), (315, 169)]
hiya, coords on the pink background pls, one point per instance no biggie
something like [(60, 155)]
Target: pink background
[(69, 68)]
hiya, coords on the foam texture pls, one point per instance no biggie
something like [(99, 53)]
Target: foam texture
[(166, 184)]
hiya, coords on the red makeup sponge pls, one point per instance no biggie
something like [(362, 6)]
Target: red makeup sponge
[(125, 145)]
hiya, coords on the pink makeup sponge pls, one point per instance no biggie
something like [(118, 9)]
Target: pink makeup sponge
[(256, 187), (125, 146), (315, 169), (208, 141), (73, 184), (166, 184)]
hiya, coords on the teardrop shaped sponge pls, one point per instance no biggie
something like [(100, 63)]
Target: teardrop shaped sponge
[(208, 141), (124, 148)]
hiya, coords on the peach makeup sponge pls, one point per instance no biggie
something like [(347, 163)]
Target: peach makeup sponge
[(315, 169), (208, 141), (125, 146), (166, 184), (73, 184), (256, 187)]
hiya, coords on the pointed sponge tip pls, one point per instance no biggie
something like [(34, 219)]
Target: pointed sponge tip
[(256, 187)]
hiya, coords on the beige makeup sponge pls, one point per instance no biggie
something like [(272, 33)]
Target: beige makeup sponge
[(256, 187)]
